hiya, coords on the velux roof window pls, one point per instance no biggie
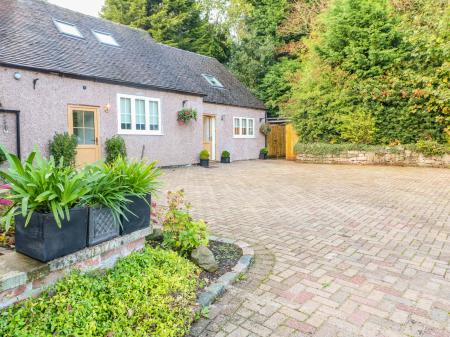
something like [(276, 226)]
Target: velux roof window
[(67, 28), (105, 38), (213, 81)]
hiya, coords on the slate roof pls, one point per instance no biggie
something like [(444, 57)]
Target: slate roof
[(30, 39)]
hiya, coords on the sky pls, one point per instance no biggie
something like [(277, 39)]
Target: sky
[(91, 7)]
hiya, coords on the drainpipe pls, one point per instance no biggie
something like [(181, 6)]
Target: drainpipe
[(17, 113)]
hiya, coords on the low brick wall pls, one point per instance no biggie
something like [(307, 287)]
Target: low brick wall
[(401, 158), (22, 277)]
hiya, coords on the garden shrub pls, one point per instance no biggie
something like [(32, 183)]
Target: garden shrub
[(358, 127), (115, 147), (431, 148), (63, 147), (181, 232), (2, 156), (204, 155), (225, 154), (149, 293)]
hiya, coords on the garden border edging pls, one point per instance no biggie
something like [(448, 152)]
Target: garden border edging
[(216, 289)]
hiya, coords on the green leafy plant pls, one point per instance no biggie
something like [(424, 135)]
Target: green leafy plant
[(63, 147), (265, 129), (106, 190), (181, 232), (149, 293), (358, 127), (2, 156), (431, 148), (136, 177), (264, 151), (204, 155), (225, 154), (186, 114), (115, 147), (41, 185)]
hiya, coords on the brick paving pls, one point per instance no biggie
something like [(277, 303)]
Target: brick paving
[(339, 250)]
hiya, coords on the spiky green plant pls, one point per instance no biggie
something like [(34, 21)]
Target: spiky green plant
[(41, 185)]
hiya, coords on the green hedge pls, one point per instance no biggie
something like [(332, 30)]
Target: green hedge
[(149, 293), (427, 148)]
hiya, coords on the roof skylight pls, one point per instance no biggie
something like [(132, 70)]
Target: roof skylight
[(213, 80), (105, 38), (67, 28)]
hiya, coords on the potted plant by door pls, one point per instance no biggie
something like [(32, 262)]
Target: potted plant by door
[(139, 180), (204, 158), (225, 157), (45, 196), (263, 153), (107, 203)]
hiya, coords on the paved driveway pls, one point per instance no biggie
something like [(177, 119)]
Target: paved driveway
[(340, 250)]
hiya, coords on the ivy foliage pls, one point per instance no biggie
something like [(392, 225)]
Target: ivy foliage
[(378, 66), (149, 293)]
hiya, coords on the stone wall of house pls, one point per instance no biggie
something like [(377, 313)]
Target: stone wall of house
[(401, 158), (22, 277)]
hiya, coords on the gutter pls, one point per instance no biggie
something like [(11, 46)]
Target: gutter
[(17, 113)]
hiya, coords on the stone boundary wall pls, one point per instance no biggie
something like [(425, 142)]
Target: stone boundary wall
[(22, 277), (402, 158)]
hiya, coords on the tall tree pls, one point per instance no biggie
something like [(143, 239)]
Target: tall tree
[(178, 23)]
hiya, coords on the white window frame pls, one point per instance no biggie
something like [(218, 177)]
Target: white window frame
[(247, 128), (212, 80), (133, 130)]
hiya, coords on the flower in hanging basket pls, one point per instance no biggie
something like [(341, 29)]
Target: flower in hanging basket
[(265, 129), (186, 114)]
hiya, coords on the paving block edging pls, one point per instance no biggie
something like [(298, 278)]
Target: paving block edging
[(218, 288)]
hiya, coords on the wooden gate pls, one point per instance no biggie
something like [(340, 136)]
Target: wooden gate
[(276, 141)]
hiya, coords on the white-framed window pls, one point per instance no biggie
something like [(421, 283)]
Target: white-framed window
[(139, 115), (67, 28), (105, 38), (213, 80), (243, 127)]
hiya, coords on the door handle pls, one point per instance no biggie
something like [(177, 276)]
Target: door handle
[(96, 140)]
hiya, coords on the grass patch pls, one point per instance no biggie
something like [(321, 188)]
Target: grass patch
[(427, 148), (149, 293)]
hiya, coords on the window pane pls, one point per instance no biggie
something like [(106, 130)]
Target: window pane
[(105, 38), (67, 28), (89, 136), (244, 127), (251, 127), (154, 115), (77, 119), (125, 113), (88, 119), (79, 132), (236, 126), (140, 114)]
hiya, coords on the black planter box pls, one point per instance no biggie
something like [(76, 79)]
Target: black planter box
[(204, 162), (102, 226), (138, 215), (225, 160), (262, 156), (43, 240)]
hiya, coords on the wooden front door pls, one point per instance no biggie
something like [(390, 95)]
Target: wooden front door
[(276, 141), (83, 123), (209, 136)]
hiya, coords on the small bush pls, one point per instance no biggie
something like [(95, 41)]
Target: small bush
[(225, 154), (264, 151), (2, 156), (358, 127), (149, 293), (204, 155), (63, 147), (115, 147), (181, 232), (431, 148)]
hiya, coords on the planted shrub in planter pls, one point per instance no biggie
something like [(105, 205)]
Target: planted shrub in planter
[(204, 158), (139, 180), (45, 196), (225, 157), (107, 203), (115, 147), (263, 153), (63, 147)]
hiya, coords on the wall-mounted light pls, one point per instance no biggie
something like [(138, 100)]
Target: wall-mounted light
[(107, 108), (184, 103), (222, 118), (17, 76)]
